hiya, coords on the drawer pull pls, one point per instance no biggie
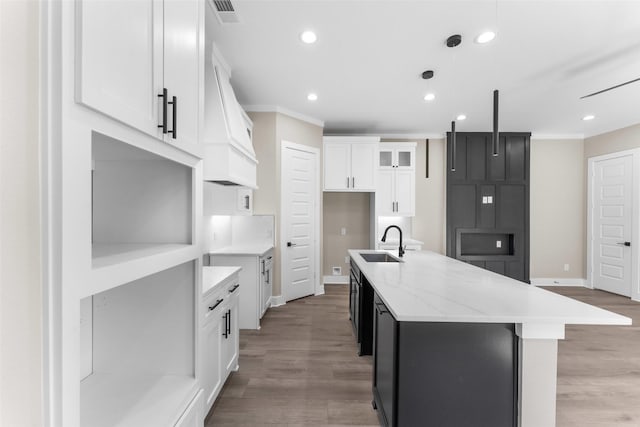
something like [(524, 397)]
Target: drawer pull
[(232, 290), (213, 307)]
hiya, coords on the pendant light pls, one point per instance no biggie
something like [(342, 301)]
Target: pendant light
[(453, 146), (496, 135)]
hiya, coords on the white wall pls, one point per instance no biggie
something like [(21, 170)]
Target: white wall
[(20, 289), (557, 209)]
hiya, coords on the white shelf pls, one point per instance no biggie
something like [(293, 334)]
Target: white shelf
[(118, 264), (105, 254), (122, 400)]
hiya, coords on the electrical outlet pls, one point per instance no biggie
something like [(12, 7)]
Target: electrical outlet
[(498, 243), (336, 271), (346, 260), (343, 231), (566, 267)]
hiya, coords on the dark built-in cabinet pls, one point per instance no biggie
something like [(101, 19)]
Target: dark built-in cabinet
[(361, 310), (443, 374), (488, 202)]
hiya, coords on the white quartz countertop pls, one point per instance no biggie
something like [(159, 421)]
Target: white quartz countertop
[(213, 276), (257, 250), (434, 288)]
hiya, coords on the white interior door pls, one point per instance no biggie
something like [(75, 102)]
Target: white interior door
[(299, 220), (611, 213)]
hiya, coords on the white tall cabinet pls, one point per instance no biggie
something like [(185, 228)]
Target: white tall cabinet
[(122, 218), (395, 194)]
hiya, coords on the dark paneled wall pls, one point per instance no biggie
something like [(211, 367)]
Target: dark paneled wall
[(488, 202)]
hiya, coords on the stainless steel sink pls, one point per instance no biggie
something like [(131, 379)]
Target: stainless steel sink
[(379, 257)]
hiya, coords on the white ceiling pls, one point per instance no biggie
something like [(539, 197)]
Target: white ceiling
[(366, 65)]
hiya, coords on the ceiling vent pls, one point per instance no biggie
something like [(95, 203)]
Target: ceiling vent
[(225, 11)]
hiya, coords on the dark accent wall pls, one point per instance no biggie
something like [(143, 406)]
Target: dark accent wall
[(475, 226)]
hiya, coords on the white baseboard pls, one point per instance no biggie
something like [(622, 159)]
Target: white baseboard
[(335, 280), (547, 281), (276, 301), (320, 291)]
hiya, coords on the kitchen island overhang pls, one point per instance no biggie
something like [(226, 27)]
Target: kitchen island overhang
[(430, 288)]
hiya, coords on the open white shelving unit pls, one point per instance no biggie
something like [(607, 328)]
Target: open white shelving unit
[(125, 215)]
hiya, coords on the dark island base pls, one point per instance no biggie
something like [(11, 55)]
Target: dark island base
[(444, 374)]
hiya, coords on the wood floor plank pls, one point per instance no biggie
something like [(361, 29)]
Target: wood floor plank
[(302, 369)]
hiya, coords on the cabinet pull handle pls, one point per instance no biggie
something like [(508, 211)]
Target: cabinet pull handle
[(225, 334), (353, 182), (229, 322), (232, 290), (213, 307), (174, 131), (347, 182), (380, 310), (164, 97)]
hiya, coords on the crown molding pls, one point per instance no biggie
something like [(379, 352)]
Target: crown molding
[(285, 111)]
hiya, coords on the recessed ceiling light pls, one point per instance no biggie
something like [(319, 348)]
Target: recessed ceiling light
[(312, 97), (429, 97), (461, 117), (588, 117), (308, 37), (485, 37)]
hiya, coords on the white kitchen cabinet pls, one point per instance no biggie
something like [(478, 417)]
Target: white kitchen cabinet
[(220, 336), (252, 299), (142, 63), (395, 191), (350, 163), (227, 199), (397, 156)]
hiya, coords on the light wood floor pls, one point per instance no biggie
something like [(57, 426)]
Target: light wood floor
[(302, 368)]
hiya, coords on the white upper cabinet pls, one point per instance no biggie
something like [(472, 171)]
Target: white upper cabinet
[(350, 163), (142, 63), (401, 156), (395, 192)]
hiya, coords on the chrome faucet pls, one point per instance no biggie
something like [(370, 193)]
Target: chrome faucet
[(384, 239)]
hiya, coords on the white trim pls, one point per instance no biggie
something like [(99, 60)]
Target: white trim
[(557, 136), (318, 286), (285, 111), (635, 217), (335, 280), (219, 59), (412, 136), (547, 281), (540, 331), (276, 301)]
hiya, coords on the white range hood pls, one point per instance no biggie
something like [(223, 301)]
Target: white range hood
[(229, 157)]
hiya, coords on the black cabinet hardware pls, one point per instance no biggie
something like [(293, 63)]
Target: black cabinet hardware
[(213, 307), (232, 290), (228, 326), (624, 243), (289, 244), (164, 97), (174, 131), (353, 182), (226, 320), (347, 182), (382, 310)]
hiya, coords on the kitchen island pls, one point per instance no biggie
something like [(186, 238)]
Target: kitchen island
[(458, 345)]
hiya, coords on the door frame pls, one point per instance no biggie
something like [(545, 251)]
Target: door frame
[(317, 285), (635, 217)]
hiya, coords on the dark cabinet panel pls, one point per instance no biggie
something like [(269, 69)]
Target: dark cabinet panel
[(384, 362), (444, 374), (492, 197), (517, 158), (361, 310), (476, 157)]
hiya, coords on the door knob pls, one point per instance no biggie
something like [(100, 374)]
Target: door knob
[(289, 244), (624, 243)]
